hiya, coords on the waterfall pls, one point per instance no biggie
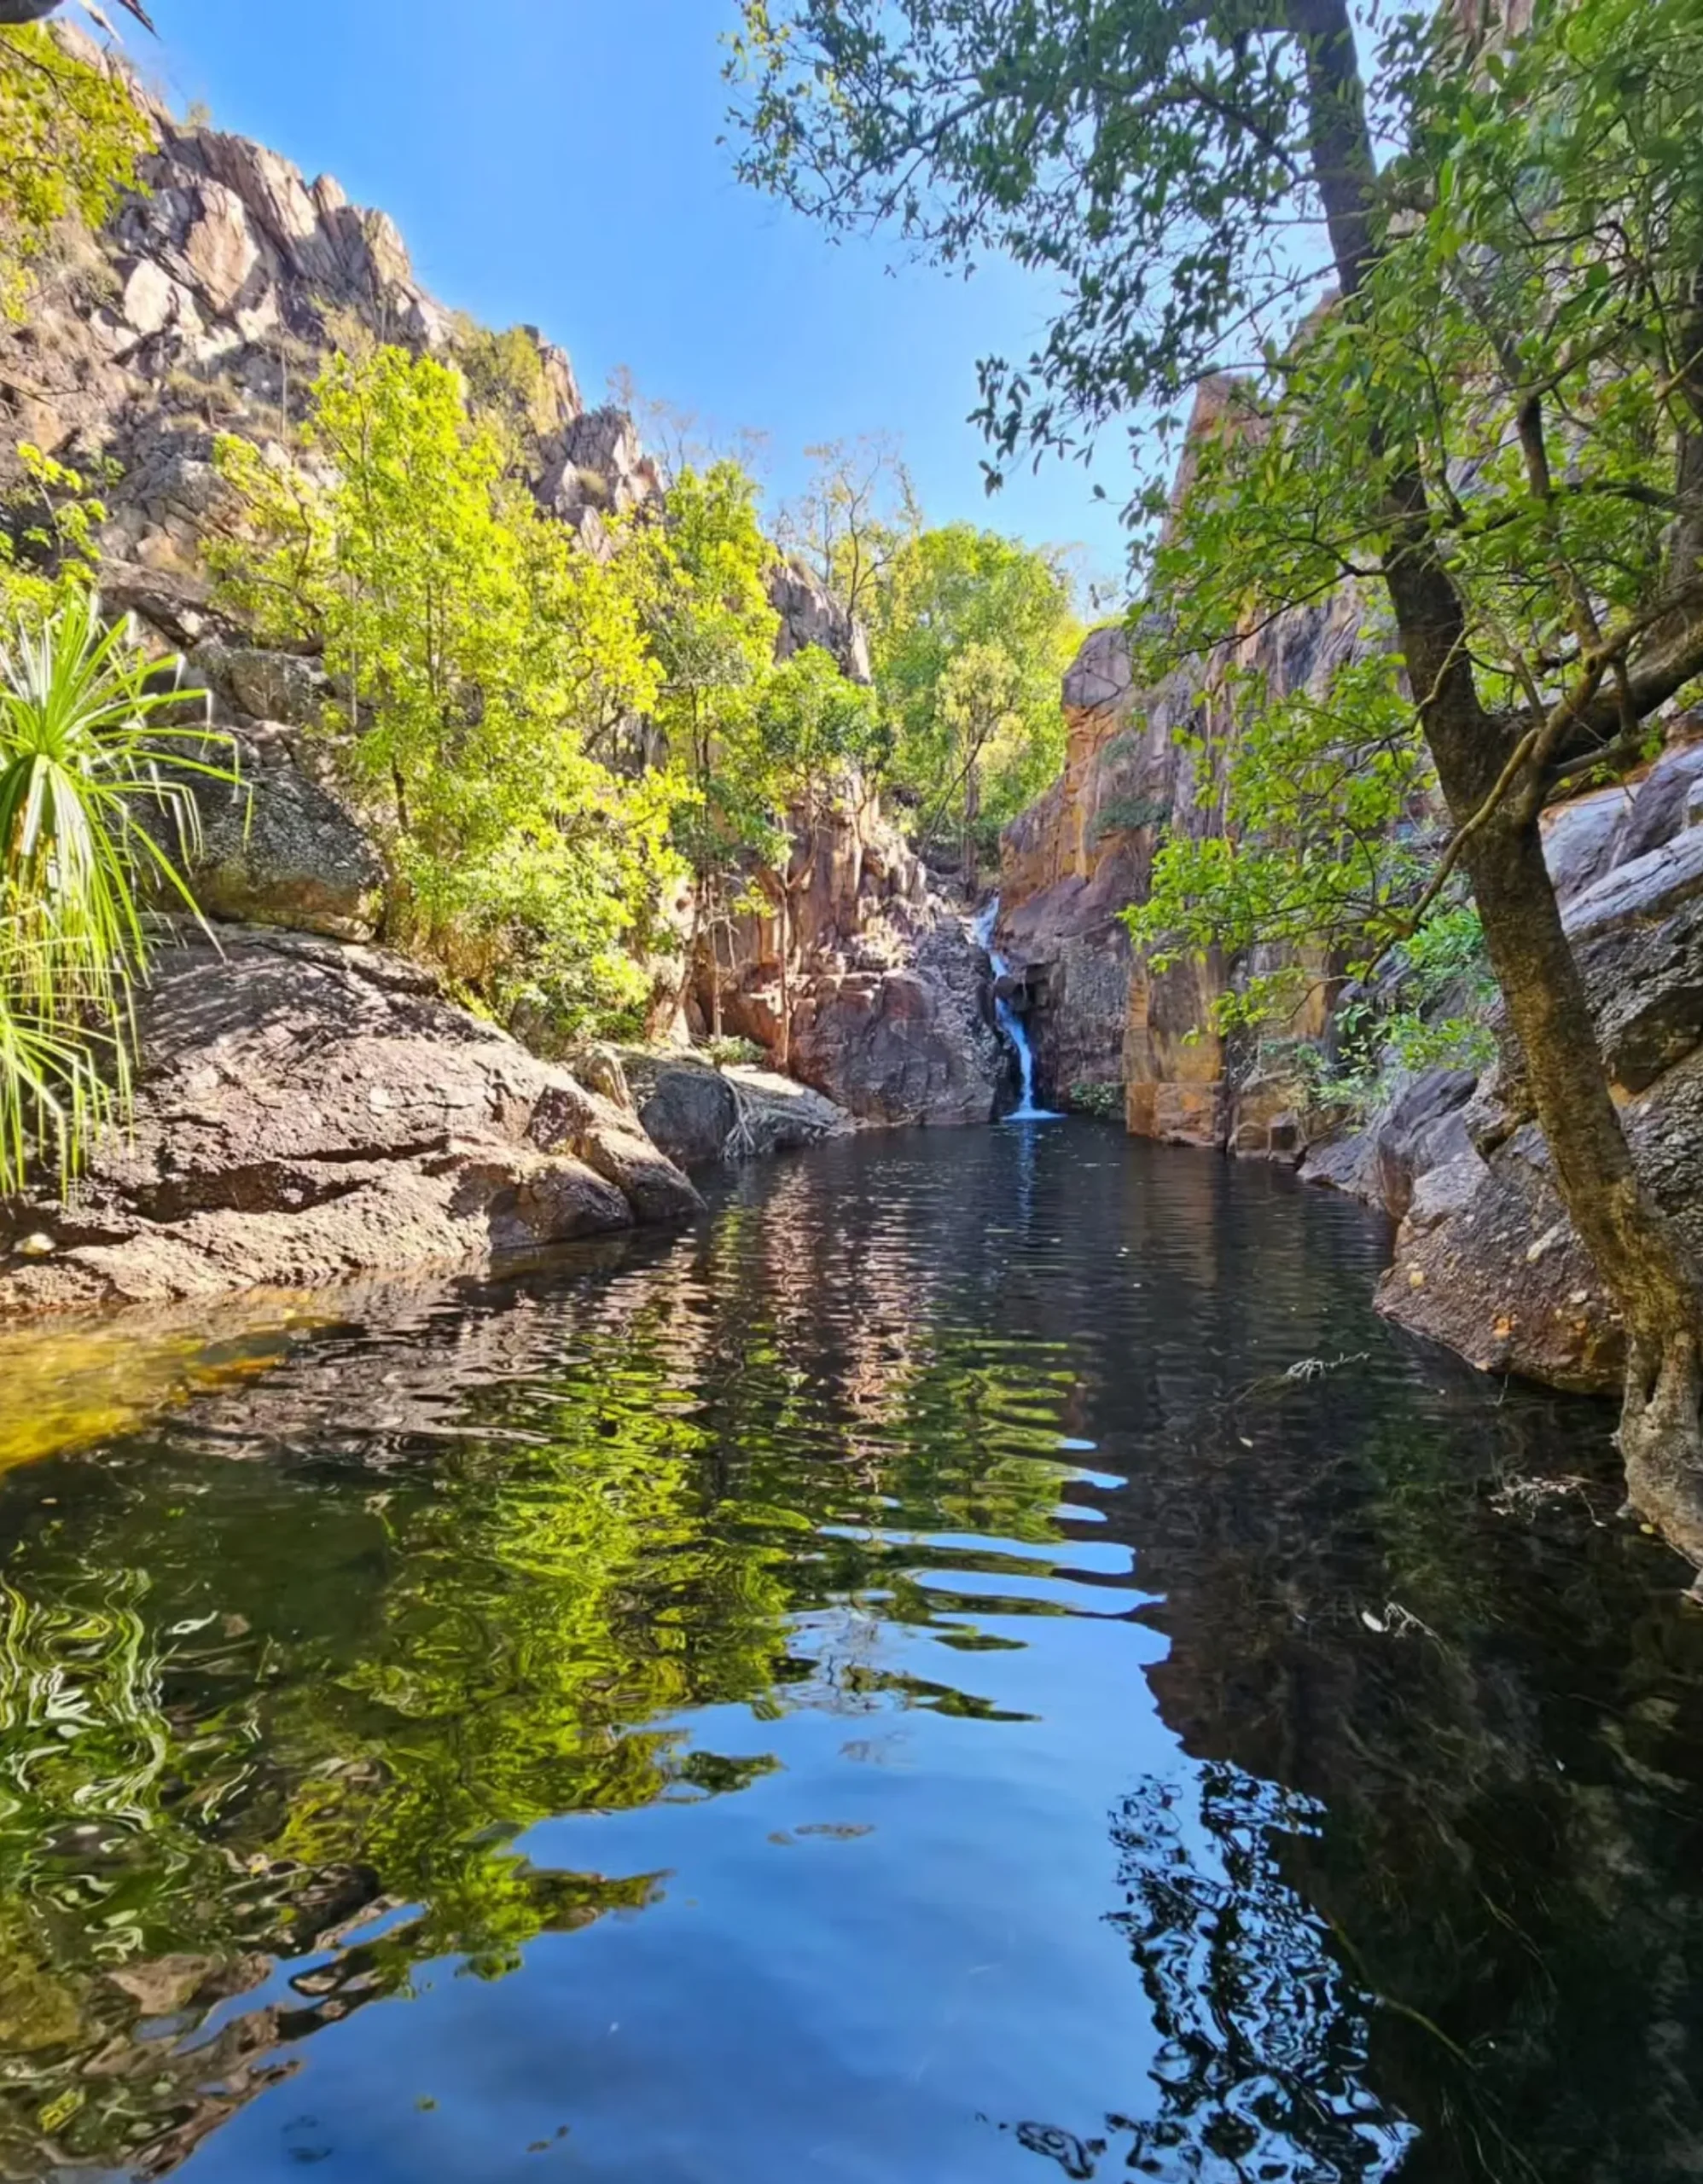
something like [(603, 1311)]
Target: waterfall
[(1012, 1024)]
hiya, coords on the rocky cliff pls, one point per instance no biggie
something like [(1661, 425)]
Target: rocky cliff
[(208, 305), (1486, 1260), (868, 985), (1101, 1016)]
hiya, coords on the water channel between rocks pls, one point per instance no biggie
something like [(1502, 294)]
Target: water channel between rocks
[(903, 1681)]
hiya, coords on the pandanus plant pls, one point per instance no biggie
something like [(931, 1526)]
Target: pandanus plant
[(98, 818)]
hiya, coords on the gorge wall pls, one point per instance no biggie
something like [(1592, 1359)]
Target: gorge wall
[(1486, 1260), (1103, 1017)]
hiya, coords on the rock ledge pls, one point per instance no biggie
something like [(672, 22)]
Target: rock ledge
[(308, 1111)]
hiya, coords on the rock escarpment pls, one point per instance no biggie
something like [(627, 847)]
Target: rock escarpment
[(1101, 1015), (208, 306), (309, 1108), (308, 1111), (868, 986)]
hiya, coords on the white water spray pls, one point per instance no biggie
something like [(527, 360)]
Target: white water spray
[(1012, 1024)]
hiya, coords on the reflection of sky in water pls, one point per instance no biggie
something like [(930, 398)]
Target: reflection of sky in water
[(703, 1718)]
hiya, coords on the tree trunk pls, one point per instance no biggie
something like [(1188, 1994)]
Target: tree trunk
[(1634, 1249), (1632, 1244), (692, 939), (716, 966)]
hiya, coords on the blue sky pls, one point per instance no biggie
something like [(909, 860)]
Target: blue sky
[(556, 161)]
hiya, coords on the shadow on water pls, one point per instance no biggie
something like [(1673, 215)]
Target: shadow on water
[(984, 1660)]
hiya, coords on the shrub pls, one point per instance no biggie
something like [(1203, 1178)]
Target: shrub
[(1127, 815), (1105, 1102), (729, 1053)]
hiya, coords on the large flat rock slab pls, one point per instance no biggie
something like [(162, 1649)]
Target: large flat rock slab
[(308, 1111)]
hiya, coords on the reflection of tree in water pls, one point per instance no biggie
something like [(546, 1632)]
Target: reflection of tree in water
[(1261, 2074), (270, 1730)]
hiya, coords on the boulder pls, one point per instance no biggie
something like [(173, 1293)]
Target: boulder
[(1661, 809), (1582, 839), (598, 1068), (686, 1105), (912, 1044), (277, 849), (1639, 891), (700, 1115), (256, 684), (777, 1114), (1646, 988), (1487, 1262), (1421, 1127), (307, 1113)]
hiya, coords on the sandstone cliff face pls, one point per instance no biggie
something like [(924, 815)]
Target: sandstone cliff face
[(871, 987), (1101, 1015), (1486, 1260)]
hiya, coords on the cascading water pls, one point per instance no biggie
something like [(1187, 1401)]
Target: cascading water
[(1012, 1024)]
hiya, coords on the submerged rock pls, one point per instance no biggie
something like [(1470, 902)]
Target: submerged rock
[(308, 1111)]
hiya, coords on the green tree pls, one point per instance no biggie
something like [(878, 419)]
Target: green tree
[(71, 134), (1497, 427), (850, 521), (714, 632), (483, 654), (971, 634)]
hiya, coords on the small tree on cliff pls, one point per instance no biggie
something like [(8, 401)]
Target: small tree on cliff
[(479, 652), (852, 519), (71, 134), (1500, 422), (970, 633), (712, 632)]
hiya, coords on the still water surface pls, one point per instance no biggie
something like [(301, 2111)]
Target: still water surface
[(901, 1683)]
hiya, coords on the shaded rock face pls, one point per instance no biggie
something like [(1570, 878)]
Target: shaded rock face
[(1486, 1259), (281, 846), (1423, 1128), (1085, 852), (914, 1044), (276, 848), (884, 1002), (307, 1113)]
